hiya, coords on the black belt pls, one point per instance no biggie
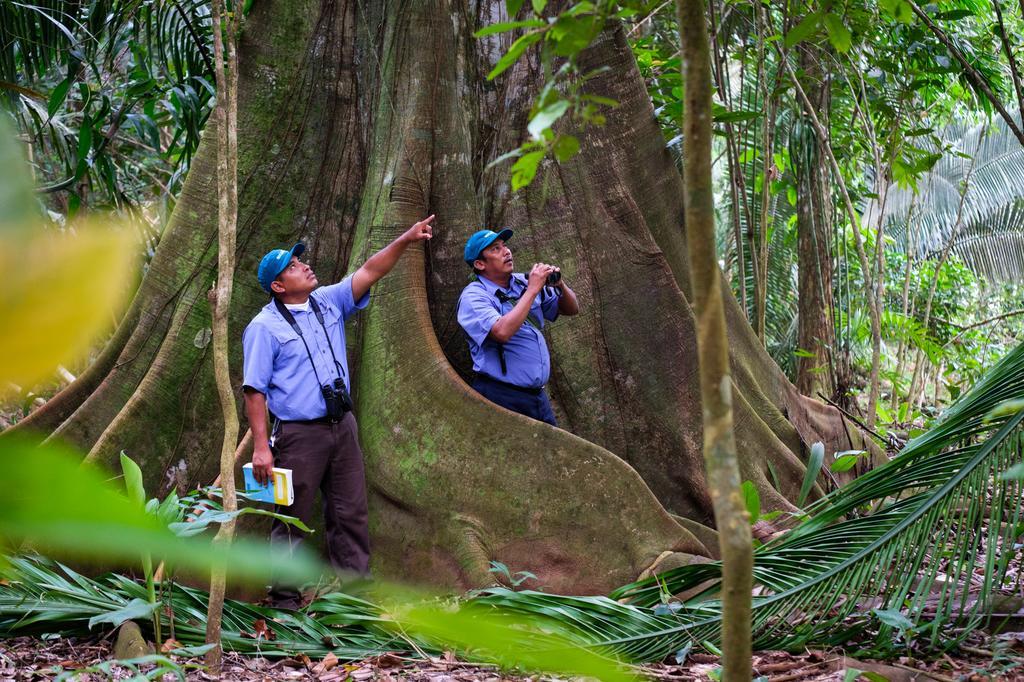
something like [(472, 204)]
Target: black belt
[(319, 420), (522, 389)]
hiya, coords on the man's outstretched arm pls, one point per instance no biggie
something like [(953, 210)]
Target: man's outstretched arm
[(381, 263)]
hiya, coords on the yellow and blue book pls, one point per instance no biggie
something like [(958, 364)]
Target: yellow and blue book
[(278, 489)]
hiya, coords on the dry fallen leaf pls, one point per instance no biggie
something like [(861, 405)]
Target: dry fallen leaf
[(387, 661), (169, 646), (260, 631)]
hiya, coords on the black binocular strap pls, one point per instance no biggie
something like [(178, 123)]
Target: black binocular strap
[(287, 315)]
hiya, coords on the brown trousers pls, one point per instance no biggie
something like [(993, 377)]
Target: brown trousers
[(326, 457)]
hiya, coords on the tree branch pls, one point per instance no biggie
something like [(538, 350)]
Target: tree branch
[(972, 74)]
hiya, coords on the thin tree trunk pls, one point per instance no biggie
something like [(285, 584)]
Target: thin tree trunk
[(225, 37), (815, 333), (739, 200), (901, 355), (873, 303), (713, 347)]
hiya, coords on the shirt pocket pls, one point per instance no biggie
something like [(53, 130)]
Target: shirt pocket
[(290, 347)]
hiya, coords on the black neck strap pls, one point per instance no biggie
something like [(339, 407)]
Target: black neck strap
[(290, 319)]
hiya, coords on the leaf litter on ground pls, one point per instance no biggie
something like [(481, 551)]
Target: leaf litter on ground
[(35, 658)]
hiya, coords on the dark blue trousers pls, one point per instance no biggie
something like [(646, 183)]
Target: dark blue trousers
[(533, 403)]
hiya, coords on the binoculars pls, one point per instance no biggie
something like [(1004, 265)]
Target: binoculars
[(337, 398)]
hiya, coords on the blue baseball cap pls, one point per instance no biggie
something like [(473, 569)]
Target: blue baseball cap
[(481, 240), (274, 263)]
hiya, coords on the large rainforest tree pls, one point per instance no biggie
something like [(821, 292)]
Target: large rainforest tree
[(358, 117)]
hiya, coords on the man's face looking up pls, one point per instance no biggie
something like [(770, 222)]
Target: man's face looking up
[(495, 262), (297, 279)]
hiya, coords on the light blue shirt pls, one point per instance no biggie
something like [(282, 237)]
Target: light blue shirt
[(275, 362), (526, 353)]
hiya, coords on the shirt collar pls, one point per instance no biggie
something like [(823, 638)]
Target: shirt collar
[(298, 307), (492, 287)]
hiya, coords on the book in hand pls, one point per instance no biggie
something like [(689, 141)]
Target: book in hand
[(278, 489)]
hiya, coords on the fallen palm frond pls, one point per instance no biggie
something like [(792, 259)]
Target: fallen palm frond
[(914, 549), (917, 546), (41, 595)]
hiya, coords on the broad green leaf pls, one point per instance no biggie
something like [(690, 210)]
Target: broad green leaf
[(838, 34), (136, 608), (580, 8), (566, 147), (513, 7), (804, 30), (514, 52), (898, 9), (66, 509), (84, 139), (546, 117), (57, 97), (893, 618), (61, 292), (751, 500), (539, 5), (507, 26), (844, 463), (507, 639), (571, 35), (525, 169), (191, 651), (814, 463), (133, 479)]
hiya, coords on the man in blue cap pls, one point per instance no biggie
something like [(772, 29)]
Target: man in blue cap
[(295, 364), (503, 314)]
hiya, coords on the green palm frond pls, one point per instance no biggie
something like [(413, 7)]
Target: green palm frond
[(43, 596), (942, 510), (990, 233)]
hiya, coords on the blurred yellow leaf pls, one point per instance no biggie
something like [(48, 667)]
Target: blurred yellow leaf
[(59, 293)]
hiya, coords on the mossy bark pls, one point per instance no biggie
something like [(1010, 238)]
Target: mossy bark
[(357, 118)]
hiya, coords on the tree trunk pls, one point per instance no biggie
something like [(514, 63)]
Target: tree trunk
[(355, 119), (225, 43), (815, 331), (731, 516)]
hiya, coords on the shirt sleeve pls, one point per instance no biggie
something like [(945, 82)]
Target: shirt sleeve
[(549, 302), (258, 349), (340, 296), (476, 314)]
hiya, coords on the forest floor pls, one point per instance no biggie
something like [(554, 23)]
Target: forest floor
[(33, 658)]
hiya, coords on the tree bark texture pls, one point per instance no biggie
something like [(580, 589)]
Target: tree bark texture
[(356, 118), (815, 329)]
